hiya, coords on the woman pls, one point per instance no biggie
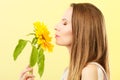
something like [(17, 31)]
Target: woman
[(82, 31)]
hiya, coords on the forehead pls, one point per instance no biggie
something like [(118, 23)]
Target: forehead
[(68, 14)]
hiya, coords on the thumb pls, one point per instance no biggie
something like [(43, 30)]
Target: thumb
[(31, 69)]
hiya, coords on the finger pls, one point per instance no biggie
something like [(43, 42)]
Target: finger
[(27, 76), (31, 71), (30, 79), (28, 66), (27, 70)]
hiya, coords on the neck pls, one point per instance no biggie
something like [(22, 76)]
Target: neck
[(69, 49)]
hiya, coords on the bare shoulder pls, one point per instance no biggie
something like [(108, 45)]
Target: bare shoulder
[(90, 72)]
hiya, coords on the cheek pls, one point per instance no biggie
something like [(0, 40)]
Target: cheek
[(66, 37)]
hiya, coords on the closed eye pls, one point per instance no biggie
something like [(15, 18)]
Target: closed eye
[(64, 20), (64, 23)]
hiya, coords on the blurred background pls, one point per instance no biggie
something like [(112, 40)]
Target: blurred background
[(16, 21)]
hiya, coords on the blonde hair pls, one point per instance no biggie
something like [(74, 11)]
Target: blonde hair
[(89, 39)]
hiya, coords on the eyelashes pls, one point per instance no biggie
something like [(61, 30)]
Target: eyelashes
[(64, 23)]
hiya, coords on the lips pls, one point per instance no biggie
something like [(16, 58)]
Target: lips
[(56, 36)]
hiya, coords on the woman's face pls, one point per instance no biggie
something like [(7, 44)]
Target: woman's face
[(64, 29)]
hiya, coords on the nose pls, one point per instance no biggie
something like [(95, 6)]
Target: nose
[(56, 27)]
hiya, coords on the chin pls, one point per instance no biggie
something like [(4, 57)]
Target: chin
[(61, 44), (58, 44)]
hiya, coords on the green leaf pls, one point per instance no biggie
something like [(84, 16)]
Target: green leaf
[(34, 41), (20, 46), (40, 55), (40, 62), (30, 34), (34, 56), (41, 68)]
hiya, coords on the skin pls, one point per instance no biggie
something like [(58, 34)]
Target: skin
[(64, 38), (27, 74), (90, 72), (64, 30)]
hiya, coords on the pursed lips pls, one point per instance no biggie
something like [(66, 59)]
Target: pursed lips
[(56, 36)]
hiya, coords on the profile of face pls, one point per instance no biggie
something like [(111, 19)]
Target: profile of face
[(64, 29)]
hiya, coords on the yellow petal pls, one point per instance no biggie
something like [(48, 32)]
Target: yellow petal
[(42, 34)]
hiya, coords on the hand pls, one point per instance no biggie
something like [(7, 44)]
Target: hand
[(27, 74)]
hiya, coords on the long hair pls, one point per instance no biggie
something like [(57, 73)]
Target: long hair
[(89, 39)]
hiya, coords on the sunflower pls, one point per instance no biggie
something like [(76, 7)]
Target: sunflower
[(42, 34)]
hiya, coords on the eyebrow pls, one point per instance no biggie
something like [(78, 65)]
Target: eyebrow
[(64, 19)]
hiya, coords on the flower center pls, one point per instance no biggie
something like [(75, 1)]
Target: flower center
[(43, 37)]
